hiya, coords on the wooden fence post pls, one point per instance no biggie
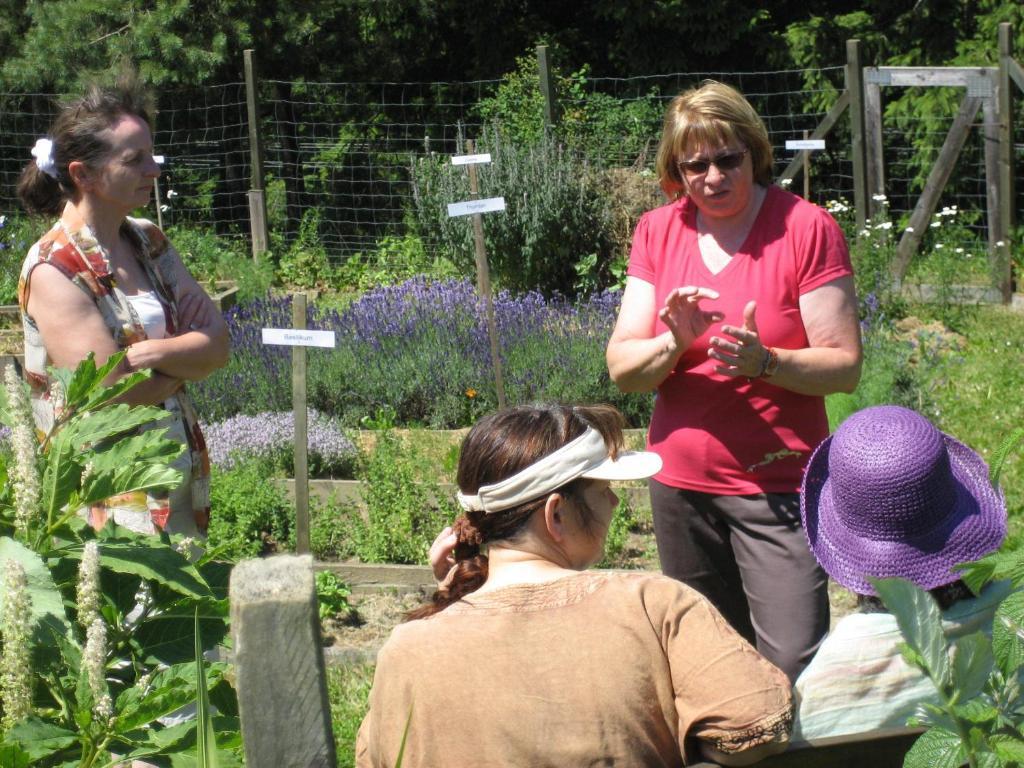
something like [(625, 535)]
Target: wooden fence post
[(279, 664), (257, 198), (547, 88), (301, 415), (855, 87), (1005, 180)]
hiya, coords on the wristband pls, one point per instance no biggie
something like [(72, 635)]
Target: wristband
[(770, 364)]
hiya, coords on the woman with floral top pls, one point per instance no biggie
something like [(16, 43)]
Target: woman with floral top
[(100, 281)]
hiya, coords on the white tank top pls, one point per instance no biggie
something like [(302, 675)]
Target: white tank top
[(151, 313)]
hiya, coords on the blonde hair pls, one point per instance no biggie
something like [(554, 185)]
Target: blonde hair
[(711, 115)]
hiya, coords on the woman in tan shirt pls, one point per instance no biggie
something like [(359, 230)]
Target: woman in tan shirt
[(524, 658)]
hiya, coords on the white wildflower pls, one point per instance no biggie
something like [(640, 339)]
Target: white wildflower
[(940, 245), (3, 220), (884, 225), (785, 182), (910, 229), (15, 663), (879, 198), (959, 250), (164, 208), (57, 399), (89, 585), (171, 193), (935, 224), (23, 441), (1000, 243), (95, 660)]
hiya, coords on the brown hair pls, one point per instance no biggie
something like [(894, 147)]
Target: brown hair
[(713, 114), (499, 446), (77, 134)]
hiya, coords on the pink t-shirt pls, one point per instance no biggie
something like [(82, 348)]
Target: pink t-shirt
[(731, 436)]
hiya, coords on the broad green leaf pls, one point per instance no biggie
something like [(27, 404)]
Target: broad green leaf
[(94, 427), (39, 738), (127, 479), (1009, 748), (13, 756), (977, 711), (985, 759), (149, 446), (920, 621), (936, 748), (1008, 634), (972, 665), (169, 637), (155, 562), (60, 477), (1002, 453), (999, 565), (169, 690), (47, 606)]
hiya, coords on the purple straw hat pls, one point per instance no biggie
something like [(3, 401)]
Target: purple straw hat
[(890, 495)]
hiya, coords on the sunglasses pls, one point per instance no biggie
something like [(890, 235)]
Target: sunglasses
[(727, 161)]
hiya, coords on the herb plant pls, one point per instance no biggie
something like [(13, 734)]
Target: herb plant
[(99, 627)]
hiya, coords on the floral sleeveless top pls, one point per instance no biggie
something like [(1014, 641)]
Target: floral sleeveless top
[(76, 253)]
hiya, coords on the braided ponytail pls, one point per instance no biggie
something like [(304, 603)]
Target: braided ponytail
[(497, 447)]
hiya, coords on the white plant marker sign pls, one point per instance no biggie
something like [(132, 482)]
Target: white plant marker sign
[(806, 146), (299, 338), (476, 208)]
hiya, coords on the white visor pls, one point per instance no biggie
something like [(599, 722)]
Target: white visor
[(586, 456)]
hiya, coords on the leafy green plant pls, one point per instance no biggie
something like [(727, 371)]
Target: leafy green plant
[(330, 531), (104, 623), (980, 713), (17, 233), (304, 263), (556, 213), (404, 509), (332, 596), (621, 524), (211, 257), (395, 259), (253, 516)]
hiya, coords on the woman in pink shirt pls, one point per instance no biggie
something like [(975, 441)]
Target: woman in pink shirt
[(739, 310)]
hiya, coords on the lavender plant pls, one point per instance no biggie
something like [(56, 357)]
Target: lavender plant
[(420, 350), (270, 437)]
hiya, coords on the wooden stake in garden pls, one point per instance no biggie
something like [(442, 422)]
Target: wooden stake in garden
[(476, 208), (298, 338), (805, 147)]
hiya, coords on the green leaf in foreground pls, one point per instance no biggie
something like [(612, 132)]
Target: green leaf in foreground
[(937, 748), (920, 621)]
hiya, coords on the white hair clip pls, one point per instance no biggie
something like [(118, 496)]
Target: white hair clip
[(43, 153)]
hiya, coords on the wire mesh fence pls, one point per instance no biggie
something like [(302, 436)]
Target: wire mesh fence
[(339, 154)]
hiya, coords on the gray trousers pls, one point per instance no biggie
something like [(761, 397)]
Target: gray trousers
[(749, 557)]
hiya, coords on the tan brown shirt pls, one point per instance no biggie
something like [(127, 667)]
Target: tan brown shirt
[(589, 670)]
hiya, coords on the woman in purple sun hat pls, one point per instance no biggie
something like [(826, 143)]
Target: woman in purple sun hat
[(889, 495)]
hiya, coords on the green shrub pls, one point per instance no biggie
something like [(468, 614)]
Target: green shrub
[(211, 257), (404, 508), (623, 521), (17, 234), (396, 259), (304, 264), (249, 516), (556, 213), (330, 530)]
